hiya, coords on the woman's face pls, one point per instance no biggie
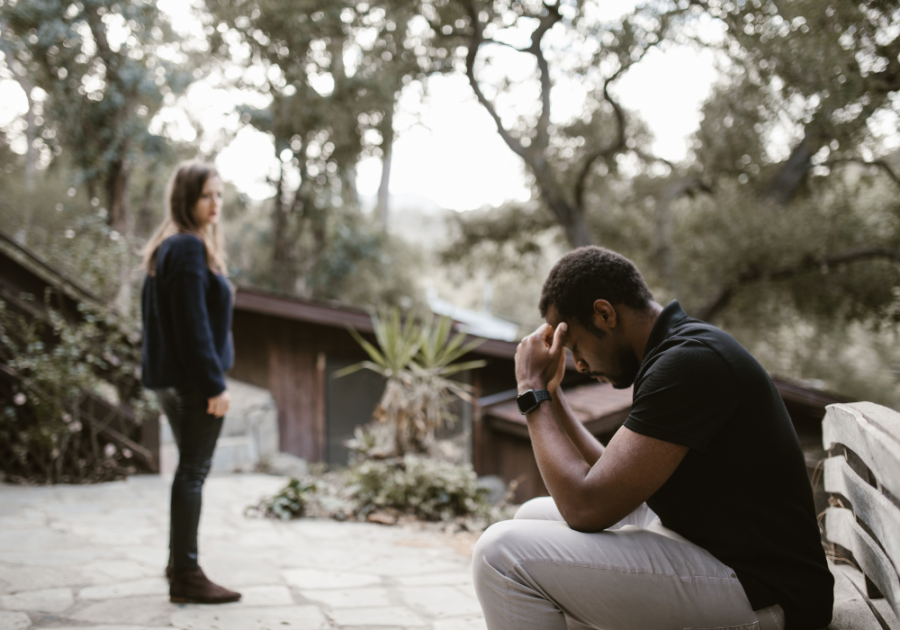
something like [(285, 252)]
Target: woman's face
[(209, 206)]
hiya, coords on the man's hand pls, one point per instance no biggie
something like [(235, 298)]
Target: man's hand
[(218, 405), (553, 385), (540, 359)]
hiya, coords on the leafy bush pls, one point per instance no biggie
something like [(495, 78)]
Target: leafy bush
[(428, 488), (417, 359), (52, 365), (290, 503)]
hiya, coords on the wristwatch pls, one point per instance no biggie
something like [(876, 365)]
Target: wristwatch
[(530, 400)]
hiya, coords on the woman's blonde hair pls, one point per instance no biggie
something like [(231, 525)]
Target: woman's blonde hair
[(182, 194)]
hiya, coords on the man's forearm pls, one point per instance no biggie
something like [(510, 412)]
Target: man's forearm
[(563, 468), (589, 446)]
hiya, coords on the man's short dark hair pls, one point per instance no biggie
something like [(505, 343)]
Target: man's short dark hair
[(593, 273)]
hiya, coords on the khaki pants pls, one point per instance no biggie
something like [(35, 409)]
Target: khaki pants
[(535, 573)]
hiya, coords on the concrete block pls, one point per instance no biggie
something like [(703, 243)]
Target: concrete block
[(14, 620), (350, 598), (53, 600), (151, 586), (316, 578), (392, 617), (236, 617)]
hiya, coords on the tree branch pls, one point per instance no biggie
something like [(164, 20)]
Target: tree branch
[(507, 44), (475, 40), (619, 142), (613, 147), (98, 31), (883, 165), (547, 22), (810, 263)]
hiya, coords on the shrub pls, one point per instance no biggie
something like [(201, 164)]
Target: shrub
[(290, 503), (417, 359), (52, 366), (428, 488)]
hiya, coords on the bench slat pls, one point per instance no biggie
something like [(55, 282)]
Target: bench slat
[(869, 505), (870, 431), (843, 529)]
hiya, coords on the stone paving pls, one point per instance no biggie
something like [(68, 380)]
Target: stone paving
[(92, 557)]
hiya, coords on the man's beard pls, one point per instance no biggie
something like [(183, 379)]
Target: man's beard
[(626, 362)]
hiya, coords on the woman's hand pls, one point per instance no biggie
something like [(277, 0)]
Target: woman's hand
[(218, 405)]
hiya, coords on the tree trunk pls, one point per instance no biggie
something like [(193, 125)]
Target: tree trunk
[(793, 171), (349, 194), (30, 137), (569, 216), (21, 235), (118, 218), (664, 253), (144, 221), (387, 153), (117, 195), (282, 267)]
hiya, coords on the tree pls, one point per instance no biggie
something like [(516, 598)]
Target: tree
[(417, 360), (333, 72), (568, 49), (826, 70), (105, 67), (820, 79)]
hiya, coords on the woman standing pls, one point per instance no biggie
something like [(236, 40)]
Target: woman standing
[(186, 309)]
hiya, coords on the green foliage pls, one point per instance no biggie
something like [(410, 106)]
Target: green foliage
[(54, 365), (827, 69), (417, 359), (104, 72), (362, 265), (398, 340), (289, 503), (385, 490), (429, 488), (67, 231), (324, 116), (512, 237)]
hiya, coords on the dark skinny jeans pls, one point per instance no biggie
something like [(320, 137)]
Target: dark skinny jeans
[(195, 434)]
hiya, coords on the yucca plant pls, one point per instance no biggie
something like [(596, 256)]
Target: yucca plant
[(417, 359)]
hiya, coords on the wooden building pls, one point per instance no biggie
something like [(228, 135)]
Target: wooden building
[(29, 286), (503, 447), (293, 348)]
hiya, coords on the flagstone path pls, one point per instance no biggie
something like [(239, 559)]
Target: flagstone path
[(92, 557)]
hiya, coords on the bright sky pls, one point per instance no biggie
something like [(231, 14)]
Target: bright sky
[(447, 149)]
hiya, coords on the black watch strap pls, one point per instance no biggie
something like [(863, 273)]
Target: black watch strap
[(530, 400)]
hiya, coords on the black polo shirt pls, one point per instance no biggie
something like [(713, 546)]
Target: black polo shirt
[(742, 491)]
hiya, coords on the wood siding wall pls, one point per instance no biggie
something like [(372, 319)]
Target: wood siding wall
[(288, 358)]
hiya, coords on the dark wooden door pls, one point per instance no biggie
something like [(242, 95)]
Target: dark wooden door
[(350, 402)]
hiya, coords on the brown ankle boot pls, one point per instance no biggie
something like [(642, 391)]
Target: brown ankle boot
[(192, 586)]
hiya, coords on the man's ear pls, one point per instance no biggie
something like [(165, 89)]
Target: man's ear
[(605, 316)]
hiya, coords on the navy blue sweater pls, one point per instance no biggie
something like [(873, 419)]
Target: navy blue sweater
[(186, 310)]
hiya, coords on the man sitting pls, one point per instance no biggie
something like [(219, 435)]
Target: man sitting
[(698, 513)]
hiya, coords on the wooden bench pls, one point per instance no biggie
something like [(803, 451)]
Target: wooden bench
[(862, 523)]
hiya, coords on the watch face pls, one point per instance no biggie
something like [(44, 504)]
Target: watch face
[(527, 401)]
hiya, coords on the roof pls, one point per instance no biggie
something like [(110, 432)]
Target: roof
[(339, 316), (473, 322), (600, 407), (28, 262), (809, 397)]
